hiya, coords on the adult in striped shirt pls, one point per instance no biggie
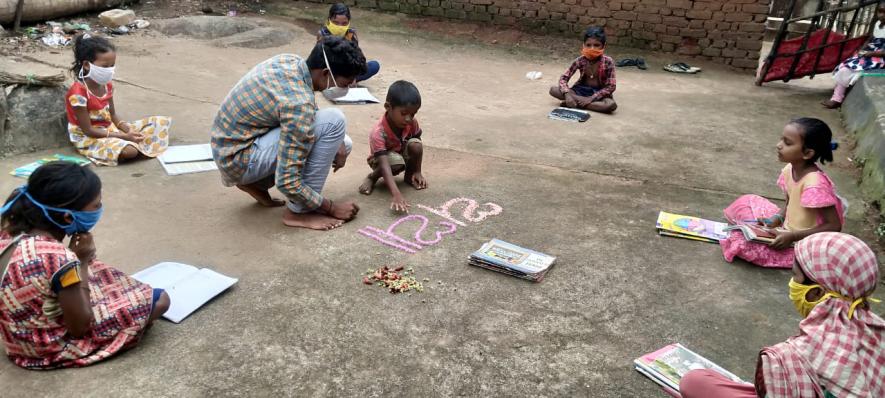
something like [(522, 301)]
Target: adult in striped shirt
[(269, 132)]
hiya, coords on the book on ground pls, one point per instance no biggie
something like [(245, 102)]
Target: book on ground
[(186, 159), (689, 227), (569, 114), (755, 233), (188, 287), (356, 95), (667, 365), (513, 260), (28, 169)]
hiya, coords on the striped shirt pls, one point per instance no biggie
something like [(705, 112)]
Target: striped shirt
[(275, 93)]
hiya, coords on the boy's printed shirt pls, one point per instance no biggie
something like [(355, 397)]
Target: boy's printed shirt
[(606, 74), (383, 140)]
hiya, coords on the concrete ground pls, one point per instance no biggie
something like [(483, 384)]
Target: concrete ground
[(300, 323)]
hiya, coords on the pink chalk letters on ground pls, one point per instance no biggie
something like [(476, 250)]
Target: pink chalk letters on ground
[(470, 213)]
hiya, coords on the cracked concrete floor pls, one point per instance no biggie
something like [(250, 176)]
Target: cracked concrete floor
[(300, 322)]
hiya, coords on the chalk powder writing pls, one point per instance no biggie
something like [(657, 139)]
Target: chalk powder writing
[(471, 212)]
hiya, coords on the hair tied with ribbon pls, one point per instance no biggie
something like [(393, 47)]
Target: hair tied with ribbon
[(834, 145)]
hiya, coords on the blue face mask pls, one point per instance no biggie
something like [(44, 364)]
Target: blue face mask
[(84, 221)]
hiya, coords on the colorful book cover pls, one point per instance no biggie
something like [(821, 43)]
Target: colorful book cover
[(691, 226), (667, 365), (26, 170)]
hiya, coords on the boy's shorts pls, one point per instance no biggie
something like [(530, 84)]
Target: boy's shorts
[(394, 158)]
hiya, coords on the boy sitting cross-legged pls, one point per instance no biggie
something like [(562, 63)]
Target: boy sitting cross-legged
[(395, 144)]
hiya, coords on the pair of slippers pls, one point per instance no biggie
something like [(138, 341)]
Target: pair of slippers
[(681, 67), (637, 62)]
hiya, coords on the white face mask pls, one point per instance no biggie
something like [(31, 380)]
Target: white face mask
[(98, 74), (332, 92)]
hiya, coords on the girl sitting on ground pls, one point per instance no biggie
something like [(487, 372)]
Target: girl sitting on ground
[(61, 307), (594, 88), (839, 350), (871, 56), (812, 203), (338, 24), (93, 125)]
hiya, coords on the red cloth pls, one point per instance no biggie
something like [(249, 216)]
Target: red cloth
[(382, 139), (830, 58), (706, 383), (75, 96)]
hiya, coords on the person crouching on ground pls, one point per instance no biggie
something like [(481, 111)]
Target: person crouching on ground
[(395, 144), (840, 348), (596, 83), (61, 307)]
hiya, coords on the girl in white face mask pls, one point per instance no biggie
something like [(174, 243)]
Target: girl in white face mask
[(93, 125)]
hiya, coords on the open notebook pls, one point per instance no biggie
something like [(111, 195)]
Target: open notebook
[(187, 286), (185, 159), (356, 95)]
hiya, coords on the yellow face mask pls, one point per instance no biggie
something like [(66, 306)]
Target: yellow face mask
[(797, 295), (337, 30)]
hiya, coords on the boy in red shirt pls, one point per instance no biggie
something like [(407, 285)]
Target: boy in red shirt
[(395, 144)]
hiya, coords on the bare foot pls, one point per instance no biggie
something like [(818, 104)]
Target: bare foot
[(262, 196), (368, 186), (416, 180), (310, 221), (830, 104)]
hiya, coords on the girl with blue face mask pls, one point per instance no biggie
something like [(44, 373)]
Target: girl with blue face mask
[(63, 292), (94, 127)]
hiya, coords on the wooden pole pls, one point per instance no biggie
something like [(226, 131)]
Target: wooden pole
[(19, 8)]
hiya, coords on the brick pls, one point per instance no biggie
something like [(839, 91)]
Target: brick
[(627, 7), (666, 11), (699, 14), (705, 43), (660, 28), (672, 31), (599, 12), (668, 47), (711, 52), (719, 43), (689, 50), (734, 53), (753, 45), (684, 4), (433, 12), (745, 63), (730, 7), (678, 22), (624, 15), (570, 17), (738, 17), (456, 14), (651, 18), (482, 2), (696, 33), (678, 12), (697, 24), (755, 9), (710, 25), (752, 27), (718, 16)]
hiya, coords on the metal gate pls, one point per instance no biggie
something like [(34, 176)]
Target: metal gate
[(829, 35)]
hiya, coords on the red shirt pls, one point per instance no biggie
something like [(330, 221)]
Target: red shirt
[(382, 139), (79, 96)]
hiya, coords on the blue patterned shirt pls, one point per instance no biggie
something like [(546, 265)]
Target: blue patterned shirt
[(275, 93)]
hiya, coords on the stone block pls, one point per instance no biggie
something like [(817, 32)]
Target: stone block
[(35, 119), (116, 18)]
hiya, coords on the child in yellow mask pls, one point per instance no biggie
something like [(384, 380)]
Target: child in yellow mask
[(338, 25)]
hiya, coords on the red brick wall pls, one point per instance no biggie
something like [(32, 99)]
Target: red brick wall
[(725, 31)]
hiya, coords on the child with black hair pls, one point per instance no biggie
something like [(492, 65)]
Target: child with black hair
[(64, 308), (812, 204), (93, 125), (338, 25), (395, 144), (596, 83)]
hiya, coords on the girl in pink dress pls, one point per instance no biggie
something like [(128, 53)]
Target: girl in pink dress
[(812, 203)]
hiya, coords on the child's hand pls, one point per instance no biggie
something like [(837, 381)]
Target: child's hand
[(570, 100), (134, 137), (83, 246), (399, 204), (126, 128), (782, 240)]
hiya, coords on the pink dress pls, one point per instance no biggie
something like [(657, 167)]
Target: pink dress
[(812, 192)]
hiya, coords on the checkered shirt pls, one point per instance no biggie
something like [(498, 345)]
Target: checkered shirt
[(606, 76)]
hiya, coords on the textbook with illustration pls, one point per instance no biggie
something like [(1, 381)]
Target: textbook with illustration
[(667, 365), (569, 114), (755, 233), (26, 170), (513, 260), (187, 286), (689, 227)]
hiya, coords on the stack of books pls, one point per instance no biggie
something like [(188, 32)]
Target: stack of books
[(667, 366), (688, 227), (569, 114), (513, 260)]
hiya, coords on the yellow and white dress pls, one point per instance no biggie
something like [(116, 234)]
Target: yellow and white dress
[(106, 151)]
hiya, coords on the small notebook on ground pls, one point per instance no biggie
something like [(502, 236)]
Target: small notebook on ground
[(356, 95), (755, 233), (667, 366), (188, 287), (569, 114), (513, 260), (26, 170), (688, 227), (185, 159)]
